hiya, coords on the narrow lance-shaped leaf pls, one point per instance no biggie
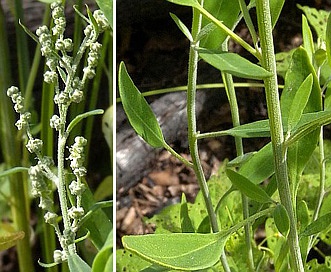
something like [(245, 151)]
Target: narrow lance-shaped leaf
[(307, 37), (139, 113), (182, 27), (299, 102), (318, 225), (247, 187), (276, 7), (233, 64)]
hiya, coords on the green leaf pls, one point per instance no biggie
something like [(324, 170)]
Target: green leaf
[(77, 264), (185, 220), (322, 223), (317, 18), (182, 27), (10, 240), (303, 220), (307, 36), (182, 251), (299, 102), (189, 3), (328, 39), (107, 8), (99, 223), (80, 117), (299, 69), (276, 7), (138, 111), (103, 261), (282, 220), (260, 166), (233, 64), (255, 129), (225, 11), (247, 187), (105, 189), (311, 122), (92, 20)]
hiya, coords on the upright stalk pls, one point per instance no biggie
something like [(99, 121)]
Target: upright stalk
[(192, 131), (231, 94), (276, 128), (191, 116)]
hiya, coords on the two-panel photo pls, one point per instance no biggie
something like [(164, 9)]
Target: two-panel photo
[(165, 135)]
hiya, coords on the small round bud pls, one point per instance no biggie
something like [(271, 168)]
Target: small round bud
[(55, 122), (76, 212), (76, 96), (77, 188), (50, 77), (12, 90), (51, 218), (34, 145)]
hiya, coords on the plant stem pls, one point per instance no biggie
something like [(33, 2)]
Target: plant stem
[(321, 192), (228, 31), (192, 132), (191, 116), (62, 139), (231, 94), (276, 128)]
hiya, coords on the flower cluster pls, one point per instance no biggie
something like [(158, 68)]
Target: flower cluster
[(39, 187), (77, 156), (62, 66)]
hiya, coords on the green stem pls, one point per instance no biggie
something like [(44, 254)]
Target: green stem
[(62, 139), (231, 94), (321, 192), (228, 31), (276, 128), (192, 132), (191, 116)]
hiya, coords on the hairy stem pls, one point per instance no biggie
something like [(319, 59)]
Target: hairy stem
[(192, 132), (231, 94), (276, 128)]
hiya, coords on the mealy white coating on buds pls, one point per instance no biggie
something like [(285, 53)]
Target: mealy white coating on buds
[(101, 20), (55, 122), (23, 121), (17, 98), (77, 188), (76, 212), (58, 18), (51, 218), (59, 256), (50, 77), (34, 146)]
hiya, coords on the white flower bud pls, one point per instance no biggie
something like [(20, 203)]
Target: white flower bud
[(34, 145)]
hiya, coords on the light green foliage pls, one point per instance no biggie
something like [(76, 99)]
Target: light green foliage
[(187, 232), (233, 64), (139, 113)]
